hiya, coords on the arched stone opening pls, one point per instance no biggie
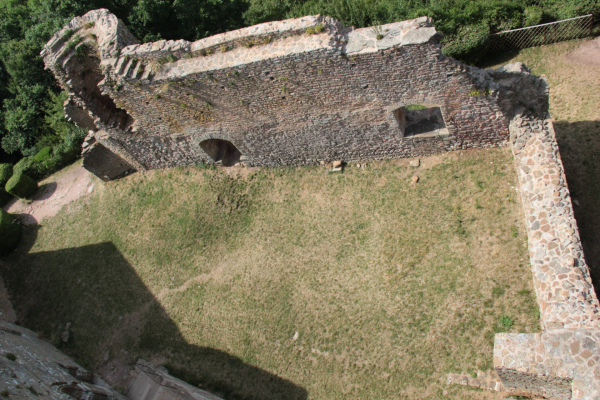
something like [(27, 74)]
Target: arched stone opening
[(221, 151)]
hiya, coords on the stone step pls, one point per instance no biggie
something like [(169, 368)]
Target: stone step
[(131, 67), (139, 70), (120, 66), (148, 74)]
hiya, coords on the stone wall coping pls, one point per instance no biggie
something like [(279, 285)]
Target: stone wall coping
[(409, 32), (563, 361), (179, 58)]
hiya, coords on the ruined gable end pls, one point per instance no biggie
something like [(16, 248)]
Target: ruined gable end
[(290, 92)]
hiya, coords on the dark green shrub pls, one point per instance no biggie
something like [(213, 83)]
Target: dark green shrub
[(533, 15), (6, 171), (51, 159), (469, 44), (21, 185), (9, 234), (23, 166), (43, 154), (4, 197)]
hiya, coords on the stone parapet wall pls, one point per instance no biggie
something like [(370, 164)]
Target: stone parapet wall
[(562, 362), (31, 368), (560, 274)]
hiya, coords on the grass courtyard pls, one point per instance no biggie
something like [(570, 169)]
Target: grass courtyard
[(291, 283), (297, 283)]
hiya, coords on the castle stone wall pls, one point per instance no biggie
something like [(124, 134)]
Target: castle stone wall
[(308, 90), (283, 93), (563, 362)]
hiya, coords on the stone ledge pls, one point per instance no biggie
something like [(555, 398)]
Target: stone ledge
[(560, 364)]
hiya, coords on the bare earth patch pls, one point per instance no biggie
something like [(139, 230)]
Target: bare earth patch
[(54, 192), (587, 54)]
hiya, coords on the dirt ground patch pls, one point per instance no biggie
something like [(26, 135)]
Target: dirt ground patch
[(587, 54), (54, 192)]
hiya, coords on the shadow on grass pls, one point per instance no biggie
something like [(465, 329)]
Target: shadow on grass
[(110, 308), (579, 144)]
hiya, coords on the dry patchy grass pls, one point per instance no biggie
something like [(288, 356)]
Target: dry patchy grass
[(289, 283)]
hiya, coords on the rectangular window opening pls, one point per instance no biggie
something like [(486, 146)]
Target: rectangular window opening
[(415, 120)]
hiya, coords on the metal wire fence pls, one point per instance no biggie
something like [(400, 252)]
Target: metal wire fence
[(572, 28)]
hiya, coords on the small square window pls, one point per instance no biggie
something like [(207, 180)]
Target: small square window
[(415, 120)]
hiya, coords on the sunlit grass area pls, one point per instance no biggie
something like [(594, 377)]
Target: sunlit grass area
[(289, 283)]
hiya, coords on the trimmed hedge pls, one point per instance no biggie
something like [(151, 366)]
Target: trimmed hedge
[(43, 154), (21, 185), (51, 159), (6, 171), (23, 166), (9, 233)]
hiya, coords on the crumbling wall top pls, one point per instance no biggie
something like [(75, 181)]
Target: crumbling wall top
[(169, 59)]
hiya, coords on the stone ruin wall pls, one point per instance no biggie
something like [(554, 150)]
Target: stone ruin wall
[(283, 97), (562, 362), (37, 370), (279, 95)]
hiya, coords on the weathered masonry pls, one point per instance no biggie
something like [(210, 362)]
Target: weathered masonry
[(305, 90), (291, 92)]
